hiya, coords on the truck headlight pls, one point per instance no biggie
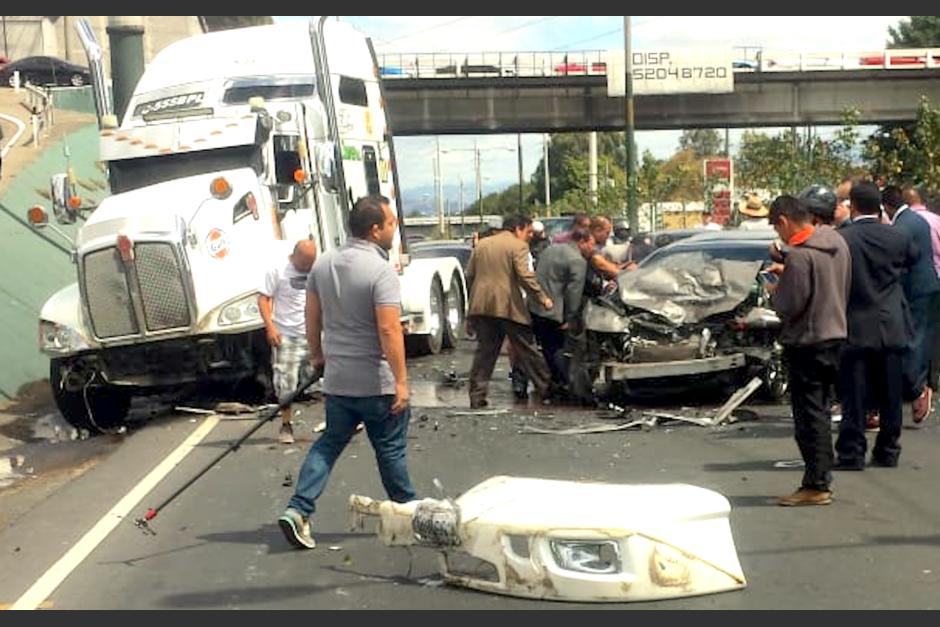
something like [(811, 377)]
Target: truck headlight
[(59, 338), (600, 557), (241, 311)]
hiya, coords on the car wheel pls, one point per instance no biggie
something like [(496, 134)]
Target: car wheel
[(430, 343), (77, 80), (454, 313), (776, 382), (108, 405)]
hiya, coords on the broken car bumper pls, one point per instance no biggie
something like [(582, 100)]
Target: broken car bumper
[(617, 371)]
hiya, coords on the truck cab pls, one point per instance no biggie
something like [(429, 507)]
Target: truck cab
[(232, 143)]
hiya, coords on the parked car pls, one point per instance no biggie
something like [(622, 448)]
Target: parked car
[(691, 312), (898, 60), (566, 69), (671, 236), (429, 249), (45, 71)]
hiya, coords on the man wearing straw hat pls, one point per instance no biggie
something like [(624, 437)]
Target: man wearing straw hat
[(755, 214)]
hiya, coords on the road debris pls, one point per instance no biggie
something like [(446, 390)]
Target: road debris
[(789, 463), (479, 412), (194, 410), (335, 548), (594, 428), (288, 480)]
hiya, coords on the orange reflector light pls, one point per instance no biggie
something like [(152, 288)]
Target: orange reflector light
[(37, 215), (75, 202), (300, 176), (125, 247), (220, 188)]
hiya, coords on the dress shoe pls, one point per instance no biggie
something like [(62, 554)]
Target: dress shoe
[(921, 405), (806, 496), (479, 404), (848, 465), (883, 462)]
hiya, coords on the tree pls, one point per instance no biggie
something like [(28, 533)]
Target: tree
[(908, 152), (920, 31), (703, 142), (685, 169)]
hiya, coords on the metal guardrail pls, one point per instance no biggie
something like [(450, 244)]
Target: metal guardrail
[(594, 62), (41, 112)]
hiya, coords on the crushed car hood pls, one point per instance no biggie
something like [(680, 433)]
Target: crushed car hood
[(690, 289)]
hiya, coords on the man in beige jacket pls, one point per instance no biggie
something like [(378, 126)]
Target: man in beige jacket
[(497, 273)]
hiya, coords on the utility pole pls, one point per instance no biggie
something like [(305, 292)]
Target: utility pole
[(592, 166), (548, 187), (519, 152), (476, 161), (632, 214), (463, 229), (438, 190)]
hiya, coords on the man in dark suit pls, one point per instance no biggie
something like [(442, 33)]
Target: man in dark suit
[(920, 285), (879, 326), (497, 273), (561, 272)]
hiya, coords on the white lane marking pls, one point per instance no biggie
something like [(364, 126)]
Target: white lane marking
[(20, 128), (53, 577)]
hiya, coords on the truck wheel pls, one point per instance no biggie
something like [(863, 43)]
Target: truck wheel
[(454, 313), (109, 405), (430, 343)]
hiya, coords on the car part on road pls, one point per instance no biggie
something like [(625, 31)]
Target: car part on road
[(569, 540), (142, 523)]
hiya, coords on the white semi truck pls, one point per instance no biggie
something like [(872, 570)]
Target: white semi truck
[(231, 142)]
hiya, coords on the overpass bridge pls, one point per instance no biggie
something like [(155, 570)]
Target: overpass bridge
[(430, 94)]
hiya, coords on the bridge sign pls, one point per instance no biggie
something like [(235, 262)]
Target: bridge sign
[(673, 71)]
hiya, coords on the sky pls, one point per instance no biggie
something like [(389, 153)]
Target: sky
[(411, 34)]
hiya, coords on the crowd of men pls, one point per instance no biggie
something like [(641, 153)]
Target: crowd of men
[(859, 278)]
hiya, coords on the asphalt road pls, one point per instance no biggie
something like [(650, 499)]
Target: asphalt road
[(218, 546)]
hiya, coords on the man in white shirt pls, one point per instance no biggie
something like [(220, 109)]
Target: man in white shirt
[(282, 299)]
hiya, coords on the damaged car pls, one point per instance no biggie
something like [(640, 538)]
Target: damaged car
[(694, 313)]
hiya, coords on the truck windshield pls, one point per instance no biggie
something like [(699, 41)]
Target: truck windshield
[(131, 174)]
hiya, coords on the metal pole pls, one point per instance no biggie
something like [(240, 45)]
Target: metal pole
[(438, 191), (548, 188), (476, 161), (632, 214), (463, 229), (727, 142), (6, 49), (126, 33), (519, 152), (592, 166)]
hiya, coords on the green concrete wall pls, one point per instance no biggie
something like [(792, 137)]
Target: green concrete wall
[(74, 99), (32, 268)]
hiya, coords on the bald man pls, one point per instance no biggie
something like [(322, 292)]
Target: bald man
[(282, 299)]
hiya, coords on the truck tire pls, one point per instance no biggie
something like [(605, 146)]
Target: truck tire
[(454, 313), (430, 343), (109, 404)]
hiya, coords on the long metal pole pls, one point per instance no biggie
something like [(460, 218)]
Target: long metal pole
[(592, 166), (632, 214), (519, 153), (438, 190), (476, 161), (463, 229), (548, 187)]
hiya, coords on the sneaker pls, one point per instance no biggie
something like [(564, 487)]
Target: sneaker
[(806, 496), (286, 434), (835, 413), (296, 528), (921, 405), (872, 422)]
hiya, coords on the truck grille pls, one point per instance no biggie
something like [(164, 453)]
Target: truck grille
[(107, 289)]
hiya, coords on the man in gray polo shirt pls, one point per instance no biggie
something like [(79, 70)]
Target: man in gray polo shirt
[(354, 299)]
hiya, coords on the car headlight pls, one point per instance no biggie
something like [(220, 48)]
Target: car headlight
[(59, 338), (600, 557), (241, 311)]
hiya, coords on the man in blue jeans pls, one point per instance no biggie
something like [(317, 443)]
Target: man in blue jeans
[(354, 300)]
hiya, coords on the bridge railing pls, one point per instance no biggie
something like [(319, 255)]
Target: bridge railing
[(594, 62)]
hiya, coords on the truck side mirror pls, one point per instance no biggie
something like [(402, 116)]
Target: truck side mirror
[(327, 164), (65, 202)]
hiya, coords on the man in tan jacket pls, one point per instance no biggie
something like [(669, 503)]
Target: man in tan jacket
[(497, 273)]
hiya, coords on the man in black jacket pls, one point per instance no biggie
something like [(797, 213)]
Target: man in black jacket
[(879, 330), (810, 299), (920, 284)]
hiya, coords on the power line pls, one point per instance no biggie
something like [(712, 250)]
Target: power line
[(608, 33), (527, 24), (430, 28)]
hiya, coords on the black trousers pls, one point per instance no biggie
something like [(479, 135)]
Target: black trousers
[(551, 339), (490, 335), (917, 355), (813, 371), (933, 379), (870, 378)]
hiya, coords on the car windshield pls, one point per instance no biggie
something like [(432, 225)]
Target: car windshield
[(681, 257), (129, 174)]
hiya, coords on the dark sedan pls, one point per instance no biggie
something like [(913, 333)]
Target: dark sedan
[(429, 249), (45, 71)]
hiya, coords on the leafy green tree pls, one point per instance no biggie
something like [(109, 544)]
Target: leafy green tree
[(908, 152), (920, 31), (703, 142)]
